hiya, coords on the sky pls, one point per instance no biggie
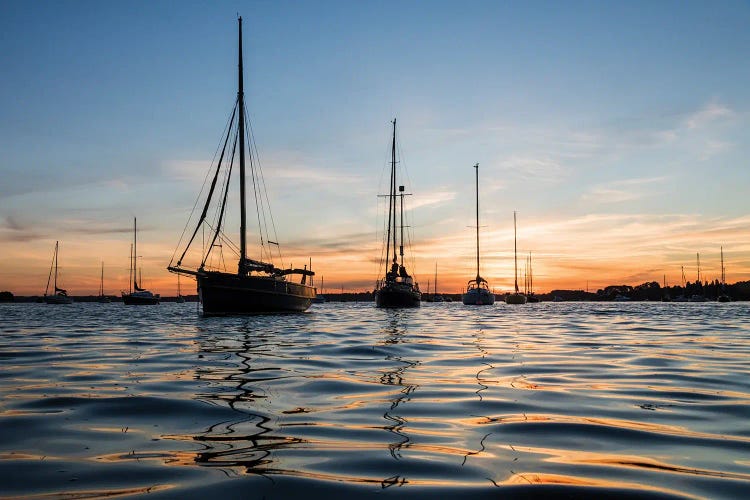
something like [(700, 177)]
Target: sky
[(618, 131)]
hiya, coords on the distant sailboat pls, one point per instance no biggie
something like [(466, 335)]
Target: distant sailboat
[(665, 296), (319, 297), (723, 297), (698, 297), (258, 286), (517, 297), (180, 298), (436, 297), (137, 296), (397, 288), (59, 295), (530, 297), (102, 299), (478, 291)]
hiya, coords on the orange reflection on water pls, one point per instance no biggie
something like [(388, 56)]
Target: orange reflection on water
[(525, 478)]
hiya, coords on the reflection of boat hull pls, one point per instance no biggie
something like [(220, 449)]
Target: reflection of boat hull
[(224, 293), (58, 299), (140, 299), (394, 295), (478, 297), (515, 298)]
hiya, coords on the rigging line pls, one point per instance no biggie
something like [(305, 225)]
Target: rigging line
[(224, 201), (265, 191), (253, 175), (211, 191), (203, 186), (49, 278)]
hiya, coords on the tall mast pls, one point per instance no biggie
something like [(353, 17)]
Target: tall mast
[(476, 168), (130, 271), (135, 251), (393, 189), (515, 250), (401, 246), (56, 245), (101, 283), (241, 133), (723, 274), (391, 194), (698, 260), (435, 288)]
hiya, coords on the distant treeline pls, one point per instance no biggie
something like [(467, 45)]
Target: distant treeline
[(646, 291)]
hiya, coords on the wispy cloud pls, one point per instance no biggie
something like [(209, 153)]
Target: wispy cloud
[(711, 112), (622, 190)]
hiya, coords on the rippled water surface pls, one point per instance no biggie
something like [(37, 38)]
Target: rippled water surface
[(583, 399)]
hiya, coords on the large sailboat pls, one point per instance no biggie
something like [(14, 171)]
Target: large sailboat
[(398, 288), (478, 290), (258, 286), (137, 296), (59, 295), (517, 297)]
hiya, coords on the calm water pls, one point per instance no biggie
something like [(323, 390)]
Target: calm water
[(640, 399)]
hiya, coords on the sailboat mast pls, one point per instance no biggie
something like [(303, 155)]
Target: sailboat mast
[(723, 274), (56, 246), (401, 246), (135, 251), (698, 260), (241, 133), (390, 199), (435, 290), (393, 189), (476, 168), (130, 271), (515, 251), (101, 282)]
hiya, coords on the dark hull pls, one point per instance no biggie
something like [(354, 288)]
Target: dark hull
[(480, 297), (230, 294), (397, 297), (130, 300)]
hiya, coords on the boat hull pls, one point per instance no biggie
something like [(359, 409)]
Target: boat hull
[(131, 299), (515, 298), (397, 296), (57, 299), (478, 297), (224, 294)]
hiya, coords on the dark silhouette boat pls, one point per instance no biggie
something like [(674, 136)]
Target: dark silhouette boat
[(397, 288), (257, 286), (137, 296), (59, 295), (102, 299), (723, 297), (478, 290)]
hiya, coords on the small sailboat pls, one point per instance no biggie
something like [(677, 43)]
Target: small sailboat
[(258, 286), (59, 295), (665, 296), (517, 297), (436, 297), (723, 297), (397, 288), (180, 298), (698, 297), (102, 299), (478, 290), (137, 296)]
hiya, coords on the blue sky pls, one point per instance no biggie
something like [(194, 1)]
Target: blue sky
[(618, 130)]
